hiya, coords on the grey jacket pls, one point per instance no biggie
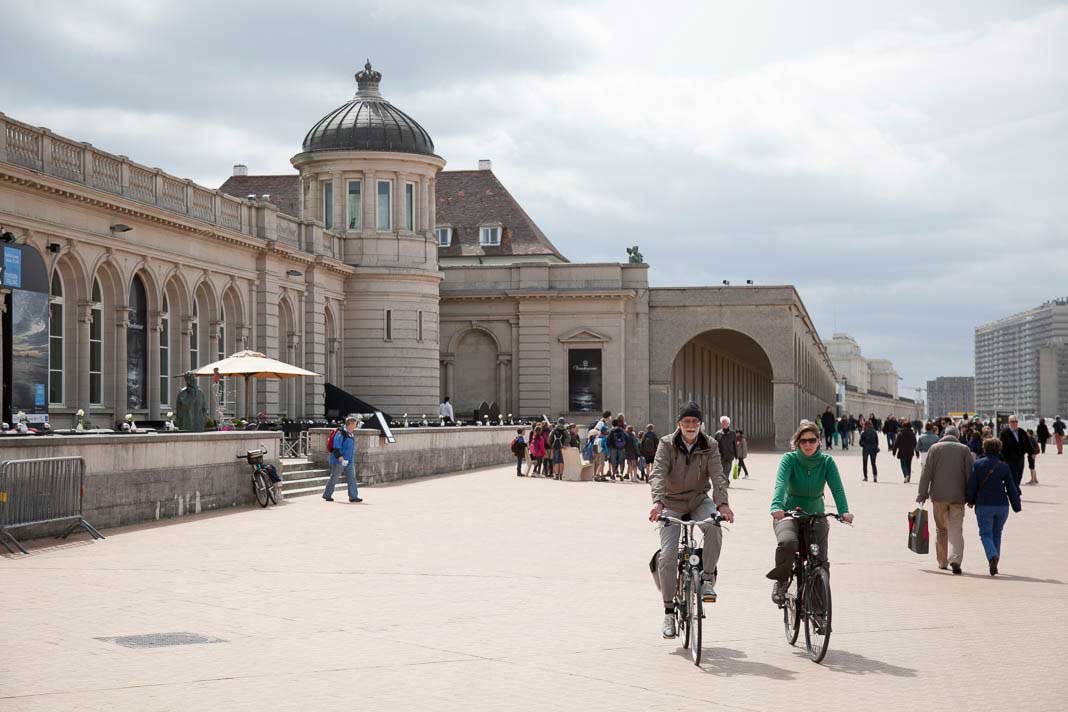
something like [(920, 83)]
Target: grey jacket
[(681, 479), (726, 443), (946, 471)]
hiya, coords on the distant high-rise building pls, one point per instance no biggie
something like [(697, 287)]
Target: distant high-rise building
[(1021, 362), (950, 394)]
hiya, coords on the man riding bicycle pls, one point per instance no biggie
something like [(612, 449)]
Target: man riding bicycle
[(686, 467)]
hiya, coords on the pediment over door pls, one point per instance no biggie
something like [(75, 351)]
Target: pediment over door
[(584, 336)]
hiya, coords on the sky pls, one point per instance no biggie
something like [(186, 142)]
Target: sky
[(903, 164)]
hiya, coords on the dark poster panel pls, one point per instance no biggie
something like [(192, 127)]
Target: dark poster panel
[(584, 380), (29, 354)]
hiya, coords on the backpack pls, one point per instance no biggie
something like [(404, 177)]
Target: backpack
[(587, 451), (617, 439), (650, 443), (519, 446), (330, 440), (556, 439)]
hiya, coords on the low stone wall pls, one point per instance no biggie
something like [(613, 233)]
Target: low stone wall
[(140, 478), (421, 451)]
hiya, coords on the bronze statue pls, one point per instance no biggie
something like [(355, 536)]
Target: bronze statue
[(635, 256), (192, 406)]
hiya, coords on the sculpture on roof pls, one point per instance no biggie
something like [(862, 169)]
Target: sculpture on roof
[(635, 256)]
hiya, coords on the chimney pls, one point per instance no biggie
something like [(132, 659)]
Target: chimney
[(240, 169), (485, 164)]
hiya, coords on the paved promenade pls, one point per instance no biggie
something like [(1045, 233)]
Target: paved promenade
[(482, 591)]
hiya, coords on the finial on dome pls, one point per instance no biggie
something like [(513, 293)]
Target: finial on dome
[(367, 80)]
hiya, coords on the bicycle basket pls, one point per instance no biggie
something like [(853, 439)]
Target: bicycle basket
[(254, 457)]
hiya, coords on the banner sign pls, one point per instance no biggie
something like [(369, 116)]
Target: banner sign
[(12, 267)]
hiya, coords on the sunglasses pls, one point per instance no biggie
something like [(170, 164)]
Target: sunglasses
[(808, 441)]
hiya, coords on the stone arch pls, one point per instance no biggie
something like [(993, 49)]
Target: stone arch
[(113, 292), (728, 373), (333, 349), (475, 350), (71, 378), (454, 342), (287, 398)]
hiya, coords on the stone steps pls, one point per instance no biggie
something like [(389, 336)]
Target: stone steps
[(302, 477)]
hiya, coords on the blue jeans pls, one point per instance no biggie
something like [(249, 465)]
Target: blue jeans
[(991, 518), (335, 473), (890, 437)]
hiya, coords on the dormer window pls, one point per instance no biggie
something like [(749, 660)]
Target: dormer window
[(444, 235), (489, 236)]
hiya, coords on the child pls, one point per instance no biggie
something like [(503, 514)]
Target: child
[(519, 449), (741, 451), (631, 451), (537, 450)]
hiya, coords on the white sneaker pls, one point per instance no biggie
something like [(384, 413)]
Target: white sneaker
[(669, 626), (708, 594)]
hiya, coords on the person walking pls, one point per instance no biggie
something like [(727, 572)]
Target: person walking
[(519, 451), (741, 451), (686, 467), (869, 449), (650, 442), (904, 449), (1042, 432), (596, 434), (342, 460), (631, 454), (891, 428), (725, 438), (1058, 434), (827, 421), (991, 490), (1031, 456), (804, 474), (945, 481), (617, 449), (559, 438), (925, 441), (843, 432), (1015, 446)]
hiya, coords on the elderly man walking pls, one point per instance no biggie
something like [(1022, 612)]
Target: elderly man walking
[(945, 481), (1015, 447)]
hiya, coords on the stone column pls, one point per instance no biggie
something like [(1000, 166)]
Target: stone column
[(422, 224), (450, 369), (660, 406), (120, 394), (784, 403), (341, 199), (502, 382), (399, 224), (214, 406), (315, 346), (85, 321), (155, 324), (370, 193), (241, 406), (267, 337)]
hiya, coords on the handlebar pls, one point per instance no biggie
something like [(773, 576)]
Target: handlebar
[(801, 514), (714, 519)]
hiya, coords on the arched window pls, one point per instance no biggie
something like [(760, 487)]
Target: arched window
[(137, 347), (55, 341), (96, 347), (194, 338), (165, 353)]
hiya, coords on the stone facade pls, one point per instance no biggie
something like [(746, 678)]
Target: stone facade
[(356, 287)]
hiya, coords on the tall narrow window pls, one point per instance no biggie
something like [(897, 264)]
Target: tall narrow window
[(409, 206), (355, 208), (420, 326), (385, 205), (136, 351), (165, 353), (389, 324), (328, 204), (96, 347), (221, 354), (489, 236), (194, 338), (55, 341)]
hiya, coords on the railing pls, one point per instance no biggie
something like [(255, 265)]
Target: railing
[(40, 491), (41, 150), (295, 444)]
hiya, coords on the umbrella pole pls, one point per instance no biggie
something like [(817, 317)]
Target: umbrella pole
[(248, 398)]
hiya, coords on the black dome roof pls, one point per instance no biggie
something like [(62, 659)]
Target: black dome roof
[(368, 123)]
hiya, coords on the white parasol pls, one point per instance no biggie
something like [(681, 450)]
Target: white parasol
[(252, 364)]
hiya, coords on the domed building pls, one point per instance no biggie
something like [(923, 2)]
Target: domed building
[(397, 280)]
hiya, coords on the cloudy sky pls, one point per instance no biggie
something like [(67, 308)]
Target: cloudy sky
[(902, 163)]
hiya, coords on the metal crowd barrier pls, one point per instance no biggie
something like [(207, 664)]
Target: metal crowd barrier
[(39, 491)]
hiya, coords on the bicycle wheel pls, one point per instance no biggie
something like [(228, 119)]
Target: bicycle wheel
[(817, 603), (791, 613), (260, 487), (272, 492), (697, 612)]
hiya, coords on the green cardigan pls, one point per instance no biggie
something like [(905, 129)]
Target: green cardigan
[(801, 480)]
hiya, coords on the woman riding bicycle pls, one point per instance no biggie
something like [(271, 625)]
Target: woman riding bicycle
[(803, 475)]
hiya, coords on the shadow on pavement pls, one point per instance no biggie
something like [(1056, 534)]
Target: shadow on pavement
[(999, 577), (855, 664), (726, 662)]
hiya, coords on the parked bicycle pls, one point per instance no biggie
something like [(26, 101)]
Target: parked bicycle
[(808, 594), (689, 607), (262, 481)]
